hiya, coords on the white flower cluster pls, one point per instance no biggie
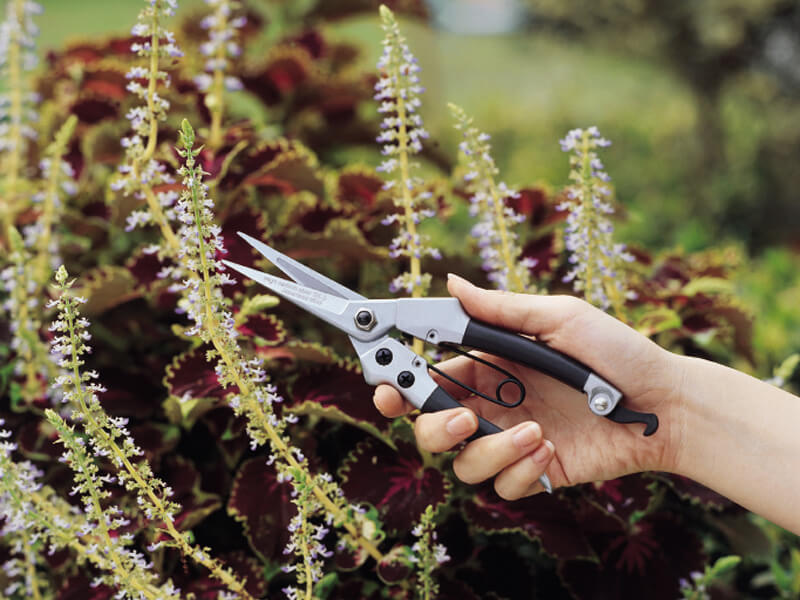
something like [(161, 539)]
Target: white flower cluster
[(139, 168), (222, 44), (497, 241), (21, 301), (427, 554), (398, 90), (18, 480), (17, 54), (108, 436), (307, 537), (596, 259), (199, 277), (132, 570)]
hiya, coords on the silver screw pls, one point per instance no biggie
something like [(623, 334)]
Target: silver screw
[(364, 319), (601, 402)]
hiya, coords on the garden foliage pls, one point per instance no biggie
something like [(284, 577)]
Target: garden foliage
[(168, 429)]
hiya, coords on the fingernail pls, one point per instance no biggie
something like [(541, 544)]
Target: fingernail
[(461, 424), (543, 452), (454, 277), (527, 436)]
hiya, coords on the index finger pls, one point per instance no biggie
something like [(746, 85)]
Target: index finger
[(391, 404)]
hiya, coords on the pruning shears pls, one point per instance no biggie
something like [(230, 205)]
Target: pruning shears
[(440, 321)]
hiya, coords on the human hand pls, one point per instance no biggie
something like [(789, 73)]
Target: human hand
[(553, 429)]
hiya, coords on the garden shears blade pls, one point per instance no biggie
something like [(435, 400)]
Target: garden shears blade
[(386, 360)]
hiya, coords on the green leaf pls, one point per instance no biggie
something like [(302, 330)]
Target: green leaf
[(787, 368), (708, 285), (658, 321), (187, 412), (326, 585), (256, 304), (781, 577), (725, 564), (795, 572)]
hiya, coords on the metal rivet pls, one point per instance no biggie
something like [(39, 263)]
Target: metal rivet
[(601, 402), (383, 356), (405, 379), (365, 319)]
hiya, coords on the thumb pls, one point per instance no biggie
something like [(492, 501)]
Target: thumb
[(565, 323), (542, 316)]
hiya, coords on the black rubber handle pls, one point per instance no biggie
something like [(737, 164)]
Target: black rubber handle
[(536, 355), (441, 400)]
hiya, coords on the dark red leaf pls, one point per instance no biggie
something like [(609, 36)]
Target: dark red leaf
[(205, 587), (338, 391), (312, 41), (537, 206), (356, 588), (358, 190), (130, 391), (93, 109), (106, 83), (643, 560), (265, 330), (350, 560), (396, 482), (455, 590), (37, 439), (155, 439), (621, 497), (694, 492), (314, 221), (196, 504), (544, 251), (548, 518), (190, 373), (455, 535), (395, 566), (229, 433), (58, 560), (260, 156), (284, 71), (78, 587), (237, 250), (99, 210), (144, 268), (263, 506)]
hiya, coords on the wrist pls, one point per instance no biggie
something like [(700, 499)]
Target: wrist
[(665, 395)]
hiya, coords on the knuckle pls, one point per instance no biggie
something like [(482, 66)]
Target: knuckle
[(462, 470), (504, 490), (423, 432), (573, 305)]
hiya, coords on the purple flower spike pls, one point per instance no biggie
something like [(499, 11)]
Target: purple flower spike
[(596, 258)]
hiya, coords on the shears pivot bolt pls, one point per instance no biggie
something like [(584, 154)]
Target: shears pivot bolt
[(383, 356), (405, 379), (365, 319)]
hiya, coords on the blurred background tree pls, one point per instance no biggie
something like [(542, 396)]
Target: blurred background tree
[(731, 55)]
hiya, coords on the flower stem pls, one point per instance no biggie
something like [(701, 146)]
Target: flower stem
[(246, 388), (151, 90), (109, 443), (217, 107), (411, 227), (16, 90)]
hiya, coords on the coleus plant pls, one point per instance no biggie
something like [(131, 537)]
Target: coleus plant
[(283, 479)]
